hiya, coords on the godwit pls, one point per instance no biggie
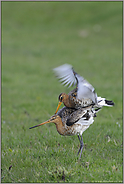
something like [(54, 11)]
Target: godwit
[(83, 95), (72, 122)]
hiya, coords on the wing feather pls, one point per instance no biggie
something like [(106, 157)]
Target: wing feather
[(65, 73), (68, 76)]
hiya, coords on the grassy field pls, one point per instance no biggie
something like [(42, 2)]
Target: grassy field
[(36, 37)]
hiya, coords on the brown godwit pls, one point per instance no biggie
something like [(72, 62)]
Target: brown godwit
[(70, 121), (83, 95)]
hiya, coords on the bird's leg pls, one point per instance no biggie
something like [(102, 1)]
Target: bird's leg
[(81, 145)]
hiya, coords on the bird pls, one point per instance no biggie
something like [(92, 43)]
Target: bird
[(83, 95), (71, 121)]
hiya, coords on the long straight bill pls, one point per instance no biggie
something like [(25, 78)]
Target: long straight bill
[(58, 107), (40, 124)]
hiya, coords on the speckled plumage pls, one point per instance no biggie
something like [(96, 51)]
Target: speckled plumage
[(75, 121), (83, 95), (70, 121)]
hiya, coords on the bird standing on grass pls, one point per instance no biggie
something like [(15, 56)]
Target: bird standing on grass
[(83, 95), (81, 105), (72, 122)]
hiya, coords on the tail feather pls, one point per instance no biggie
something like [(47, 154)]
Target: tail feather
[(109, 103), (103, 102)]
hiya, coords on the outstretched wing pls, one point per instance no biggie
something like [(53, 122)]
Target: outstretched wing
[(65, 74), (68, 76), (85, 89)]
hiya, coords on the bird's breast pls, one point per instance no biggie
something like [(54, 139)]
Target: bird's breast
[(75, 129)]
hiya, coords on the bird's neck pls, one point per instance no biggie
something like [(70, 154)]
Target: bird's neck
[(67, 101), (60, 127)]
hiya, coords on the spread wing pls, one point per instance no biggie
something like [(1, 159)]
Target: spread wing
[(68, 76), (65, 74)]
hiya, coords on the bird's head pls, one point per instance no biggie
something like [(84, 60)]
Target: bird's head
[(62, 98)]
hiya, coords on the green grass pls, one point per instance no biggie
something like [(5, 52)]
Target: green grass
[(36, 37)]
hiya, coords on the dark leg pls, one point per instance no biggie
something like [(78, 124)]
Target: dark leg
[(81, 145)]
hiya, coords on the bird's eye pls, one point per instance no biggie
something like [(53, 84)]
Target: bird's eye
[(61, 97), (53, 118)]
